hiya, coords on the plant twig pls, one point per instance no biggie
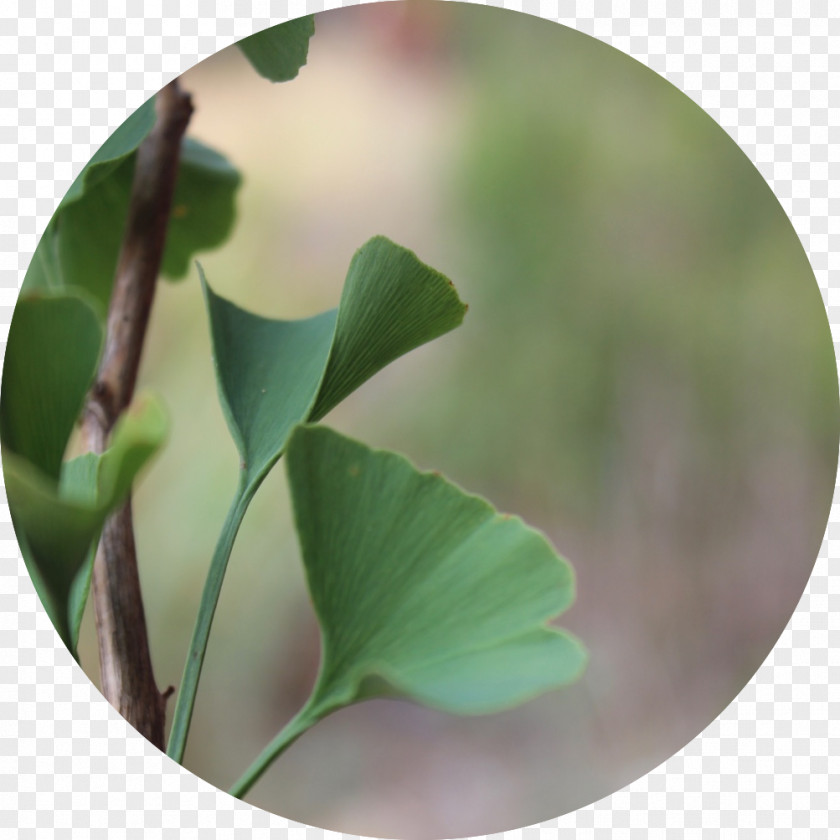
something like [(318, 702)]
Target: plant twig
[(127, 678)]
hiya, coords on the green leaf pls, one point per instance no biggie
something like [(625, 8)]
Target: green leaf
[(117, 152), (87, 233), (44, 270), (78, 597), (274, 374), (279, 52), (421, 591), (203, 206), (54, 344), (58, 522), (422, 587)]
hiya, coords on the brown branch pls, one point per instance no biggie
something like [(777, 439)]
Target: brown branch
[(128, 681)]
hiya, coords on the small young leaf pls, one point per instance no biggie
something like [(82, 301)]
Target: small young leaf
[(420, 589), (54, 344), (57, 522), (279, 52), (275, 374)]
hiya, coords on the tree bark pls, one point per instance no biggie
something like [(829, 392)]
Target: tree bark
[(128, 681)]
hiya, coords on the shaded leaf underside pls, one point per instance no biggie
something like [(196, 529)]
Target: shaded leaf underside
[(54, 344)]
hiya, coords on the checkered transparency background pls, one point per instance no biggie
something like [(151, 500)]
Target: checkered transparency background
[(72, 72)]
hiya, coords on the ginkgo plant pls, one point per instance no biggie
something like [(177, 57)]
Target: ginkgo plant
[(421, 591)]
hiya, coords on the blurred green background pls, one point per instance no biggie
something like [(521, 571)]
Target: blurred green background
[(646, 374)]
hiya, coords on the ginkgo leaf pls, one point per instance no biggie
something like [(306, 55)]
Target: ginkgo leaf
[(55, 339), (422, 587), (274, 374), (421, 590), (45, 270), (81, 245), (58, 521), (279, 52)]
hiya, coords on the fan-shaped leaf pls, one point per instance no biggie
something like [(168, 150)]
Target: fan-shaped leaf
[(421, 589), (57, 522), (275, 374), (279, 52)]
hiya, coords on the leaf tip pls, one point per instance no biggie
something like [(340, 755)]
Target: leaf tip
[(381, 247), (206, 288)]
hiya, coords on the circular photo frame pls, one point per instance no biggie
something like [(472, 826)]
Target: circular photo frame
[(568, 524)]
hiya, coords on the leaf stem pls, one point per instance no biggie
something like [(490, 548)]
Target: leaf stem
[(209, 599), (303, 720)]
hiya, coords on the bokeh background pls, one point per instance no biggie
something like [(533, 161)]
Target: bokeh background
[(646, 374)]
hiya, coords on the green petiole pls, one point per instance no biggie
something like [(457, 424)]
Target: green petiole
[(185, 702)]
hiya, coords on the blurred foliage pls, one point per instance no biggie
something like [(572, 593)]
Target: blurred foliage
[(81, 244), (278, 53), (615, 228)]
